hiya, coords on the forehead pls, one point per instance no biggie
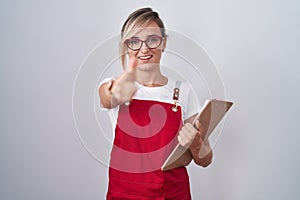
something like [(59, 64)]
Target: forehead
[(146, 30)]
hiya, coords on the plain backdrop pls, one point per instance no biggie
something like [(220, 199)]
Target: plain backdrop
[(255, 45)]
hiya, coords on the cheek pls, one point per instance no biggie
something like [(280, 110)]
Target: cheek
[(132, 53), (158, 54)]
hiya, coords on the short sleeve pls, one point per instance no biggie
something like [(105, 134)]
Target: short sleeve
[(189, 100), (193, 104)]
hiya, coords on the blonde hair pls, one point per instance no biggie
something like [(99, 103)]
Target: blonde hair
[(133, 22)]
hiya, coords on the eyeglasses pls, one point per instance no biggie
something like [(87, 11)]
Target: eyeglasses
[(151, 42)]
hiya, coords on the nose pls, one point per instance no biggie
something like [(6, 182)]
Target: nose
[(144, 47)]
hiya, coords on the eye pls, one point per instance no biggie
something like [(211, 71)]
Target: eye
[(153, 40), (133, 41)]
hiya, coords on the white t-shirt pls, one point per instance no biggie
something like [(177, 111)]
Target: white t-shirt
[(187, 98)]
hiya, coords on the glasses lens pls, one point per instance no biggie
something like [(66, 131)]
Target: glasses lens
[(153, 42), (133, 43)]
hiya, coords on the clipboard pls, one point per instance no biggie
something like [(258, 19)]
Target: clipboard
[(209, 116)]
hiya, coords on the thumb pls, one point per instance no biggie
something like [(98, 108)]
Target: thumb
[(198, 126), (132, 63)]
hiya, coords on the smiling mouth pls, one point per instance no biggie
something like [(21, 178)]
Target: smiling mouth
[(144, 57)]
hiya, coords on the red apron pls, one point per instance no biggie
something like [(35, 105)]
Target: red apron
[(145, 134)]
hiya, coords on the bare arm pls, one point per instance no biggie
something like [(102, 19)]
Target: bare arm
[(106, 95)]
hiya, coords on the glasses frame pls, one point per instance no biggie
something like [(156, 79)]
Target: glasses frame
[(144, 41)]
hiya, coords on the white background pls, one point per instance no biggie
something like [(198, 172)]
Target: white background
[(255, 45)]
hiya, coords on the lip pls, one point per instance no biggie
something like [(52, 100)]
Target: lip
[(145, 58)]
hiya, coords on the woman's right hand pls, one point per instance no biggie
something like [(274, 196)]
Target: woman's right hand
[(120, 90), (124, 86)]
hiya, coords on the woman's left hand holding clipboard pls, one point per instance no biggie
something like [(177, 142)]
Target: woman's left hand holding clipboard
[(188, 133), (190, 136)]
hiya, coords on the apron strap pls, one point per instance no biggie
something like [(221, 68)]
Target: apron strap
[(176, 90), (176, 95)]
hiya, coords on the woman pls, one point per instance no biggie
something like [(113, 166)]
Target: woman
[(152, 117)]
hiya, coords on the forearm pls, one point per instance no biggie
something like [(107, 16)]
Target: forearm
[(192, 137), (201, 152), (106, 96)]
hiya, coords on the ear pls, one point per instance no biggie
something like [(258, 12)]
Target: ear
[(164, 45)]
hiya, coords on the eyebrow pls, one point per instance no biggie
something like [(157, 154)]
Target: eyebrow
[(152, 35), (135, 37)]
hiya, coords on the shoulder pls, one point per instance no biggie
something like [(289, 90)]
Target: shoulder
[(181, 84), (184, 88)]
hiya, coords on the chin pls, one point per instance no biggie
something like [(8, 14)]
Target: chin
[(148, 66)]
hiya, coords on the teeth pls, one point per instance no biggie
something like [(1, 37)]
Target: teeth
[(144, 57)]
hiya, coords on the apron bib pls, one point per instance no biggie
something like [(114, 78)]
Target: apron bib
[(145, 134)]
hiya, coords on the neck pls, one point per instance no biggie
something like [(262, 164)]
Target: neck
[(150, 75)]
